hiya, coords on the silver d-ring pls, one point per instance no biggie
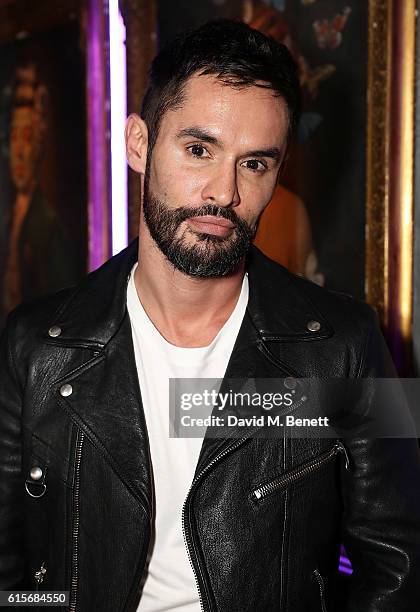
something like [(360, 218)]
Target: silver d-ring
[(31, 494)]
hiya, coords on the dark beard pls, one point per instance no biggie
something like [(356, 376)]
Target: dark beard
[(210, 256)]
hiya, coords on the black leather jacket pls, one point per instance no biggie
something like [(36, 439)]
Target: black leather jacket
[(70, 404)]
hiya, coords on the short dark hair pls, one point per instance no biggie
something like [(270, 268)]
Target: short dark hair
[(232, 51)]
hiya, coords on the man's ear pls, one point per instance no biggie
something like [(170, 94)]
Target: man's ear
[(136, 138)]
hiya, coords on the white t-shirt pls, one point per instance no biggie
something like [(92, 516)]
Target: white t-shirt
[(169, 583)]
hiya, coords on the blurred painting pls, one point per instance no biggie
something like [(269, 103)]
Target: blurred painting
[(315, 223), (42, 164)]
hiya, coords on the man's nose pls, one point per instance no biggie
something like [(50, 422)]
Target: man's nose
[(221, 187)]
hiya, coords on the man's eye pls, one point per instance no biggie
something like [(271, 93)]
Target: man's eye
[(197, 150), (255, 165)]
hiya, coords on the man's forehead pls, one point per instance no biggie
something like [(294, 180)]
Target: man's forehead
[(204, 88), (221, 108)]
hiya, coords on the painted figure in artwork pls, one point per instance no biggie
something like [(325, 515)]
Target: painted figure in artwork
[(37, 256)]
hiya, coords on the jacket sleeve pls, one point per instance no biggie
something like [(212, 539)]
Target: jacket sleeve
[(381, 494), (11, 481)]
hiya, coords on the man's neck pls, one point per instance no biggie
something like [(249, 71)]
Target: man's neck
[(187, 311)]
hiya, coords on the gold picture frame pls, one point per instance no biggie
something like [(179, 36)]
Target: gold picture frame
[(390, 171)]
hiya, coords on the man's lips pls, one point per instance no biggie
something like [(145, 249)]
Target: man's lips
[(209, 224)]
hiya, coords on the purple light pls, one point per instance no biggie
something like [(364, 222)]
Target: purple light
[(118, 117), (345, 565), (97, 127)]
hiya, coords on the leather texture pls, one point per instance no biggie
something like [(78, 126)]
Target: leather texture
[(91, 529)]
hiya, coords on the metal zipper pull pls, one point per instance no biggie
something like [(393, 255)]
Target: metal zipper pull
[(342, 449), (40, 575), (297, 473)]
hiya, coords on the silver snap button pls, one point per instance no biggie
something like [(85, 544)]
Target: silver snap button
[(54, 331), (36, 472), (290, 382), (313, 326), (66, 390)]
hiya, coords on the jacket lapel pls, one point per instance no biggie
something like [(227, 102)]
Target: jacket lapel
[(105, 401), (246, 365), (277, 315), (106, 404)]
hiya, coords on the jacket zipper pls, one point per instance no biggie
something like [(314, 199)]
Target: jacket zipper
[(75, 529), (152, 510), (321, 587), (300, 472), (188, 539)]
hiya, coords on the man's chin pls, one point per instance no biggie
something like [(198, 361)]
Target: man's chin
[(205, 259)]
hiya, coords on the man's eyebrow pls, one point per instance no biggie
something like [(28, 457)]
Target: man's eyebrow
[(274, 153), (199, 133), (196, 132)]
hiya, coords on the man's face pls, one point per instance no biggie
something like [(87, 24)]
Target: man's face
[(24, 147), (212, 172)]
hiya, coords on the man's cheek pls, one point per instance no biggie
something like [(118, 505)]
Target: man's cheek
[(161, 177), (191, 180), (186, 190)]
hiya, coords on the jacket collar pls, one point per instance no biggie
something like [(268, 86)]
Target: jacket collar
[(279, 309)]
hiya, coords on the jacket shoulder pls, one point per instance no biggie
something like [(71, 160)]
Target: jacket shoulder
[(26, 323), (337, 306), (347, 335), (336, 303)]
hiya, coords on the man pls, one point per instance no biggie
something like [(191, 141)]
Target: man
[(96, 497)]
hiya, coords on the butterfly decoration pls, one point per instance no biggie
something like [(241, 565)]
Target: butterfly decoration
[(310, 77), (328, 32)]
